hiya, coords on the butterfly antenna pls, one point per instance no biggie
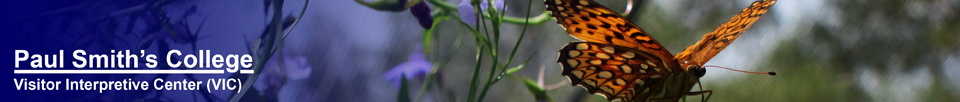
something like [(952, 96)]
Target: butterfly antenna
[(769, 73)]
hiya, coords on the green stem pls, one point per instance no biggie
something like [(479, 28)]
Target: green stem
[(435, 68), (411, 3), (473, 31), (277, 29), (495, 50), (523, 33), (543, 17), (476, 75), (295, 22)]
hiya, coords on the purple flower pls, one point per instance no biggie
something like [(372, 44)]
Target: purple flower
[(294, 68), (415, 65), (466, 10)]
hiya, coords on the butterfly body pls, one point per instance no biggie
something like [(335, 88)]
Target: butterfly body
[(679, 85), (622, 62)]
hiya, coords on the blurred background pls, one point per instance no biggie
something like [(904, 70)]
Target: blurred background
[(343, 51)]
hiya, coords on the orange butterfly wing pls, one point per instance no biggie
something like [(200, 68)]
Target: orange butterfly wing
[(592, 22), (714, 42), (616, 72)]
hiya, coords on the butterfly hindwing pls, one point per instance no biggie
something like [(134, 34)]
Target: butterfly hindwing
[(714, 42), (613, 71)]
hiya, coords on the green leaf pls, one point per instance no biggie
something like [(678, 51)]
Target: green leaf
[(476, 73), (385, 5), (428, 34), (514, 69), (539, 94), (511, 70), (403, 96)]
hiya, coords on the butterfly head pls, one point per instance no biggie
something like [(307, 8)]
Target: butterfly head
[(694, 69)]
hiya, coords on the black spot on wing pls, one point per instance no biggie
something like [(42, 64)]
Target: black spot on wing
[(635, 34), (608, 15), (609, 39), (618, 35), (605, 25)]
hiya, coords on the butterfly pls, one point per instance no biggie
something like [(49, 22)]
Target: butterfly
[(622, 62)]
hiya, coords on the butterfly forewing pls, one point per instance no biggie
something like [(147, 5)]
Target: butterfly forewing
[(614, 71), (713, 42), (592, 22)]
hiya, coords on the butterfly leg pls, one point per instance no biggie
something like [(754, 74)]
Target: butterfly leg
[(708, 92)]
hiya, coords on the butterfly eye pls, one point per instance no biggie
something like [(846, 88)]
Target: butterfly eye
[(696, 70)]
